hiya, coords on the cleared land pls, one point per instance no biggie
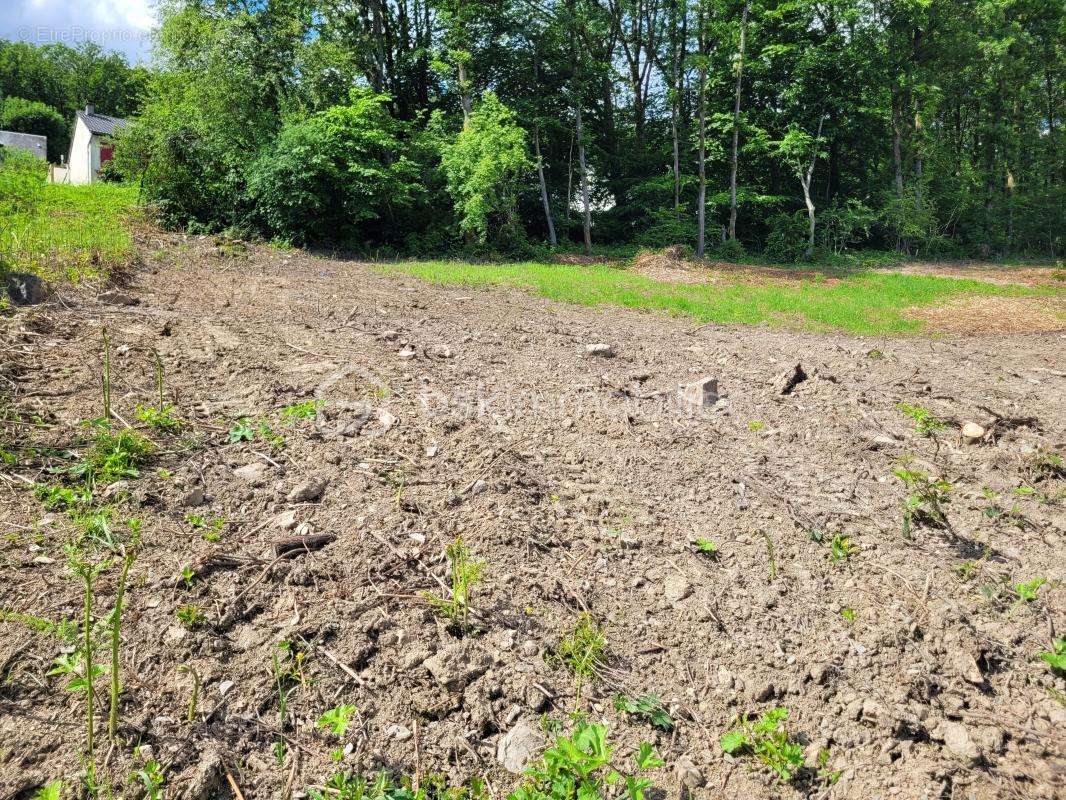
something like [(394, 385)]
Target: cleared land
[(387, 415)]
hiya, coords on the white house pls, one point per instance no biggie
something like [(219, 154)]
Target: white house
[(90, 146)]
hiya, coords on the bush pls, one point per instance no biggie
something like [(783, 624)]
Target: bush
[(844, 224), (326, 176), (30, 116), (664, 227), (786, 240), (483, 166), (730, 250)]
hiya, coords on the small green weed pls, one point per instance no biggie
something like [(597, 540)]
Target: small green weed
[(755, 426), (578, 767), (706, 547), (926, 501), (66, 630), (242, 431), (298, 411), (62, 498), (113, 456), (189, 615), (1026, 592), (336, 720), (925, 422), (1055, 657), (767, 740), (466, 573), (841, 548), (152, 779), (50, 791), (583, 650), (162, 419), (648, 707)]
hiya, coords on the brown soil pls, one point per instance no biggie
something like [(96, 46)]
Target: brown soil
[(582, 484)]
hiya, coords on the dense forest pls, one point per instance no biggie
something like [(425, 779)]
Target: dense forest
[(792, 128)]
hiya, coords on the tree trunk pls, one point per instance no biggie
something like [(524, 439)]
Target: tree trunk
[(897, 155), (736, 126), (543, 187), (701, 207), (464, 94), (584, 180), (810, 217)]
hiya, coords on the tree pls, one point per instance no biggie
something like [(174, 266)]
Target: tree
[(484, 166), (800, 152), (328, 175)]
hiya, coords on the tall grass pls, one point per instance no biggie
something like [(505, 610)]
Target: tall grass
[(70, 232)]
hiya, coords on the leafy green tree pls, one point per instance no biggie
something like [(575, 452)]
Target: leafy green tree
[(325, 177), (484, 166)]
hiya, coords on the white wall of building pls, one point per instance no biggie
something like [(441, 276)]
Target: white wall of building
[(80, 169)]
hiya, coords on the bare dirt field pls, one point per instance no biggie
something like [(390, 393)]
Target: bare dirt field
[(583, 484)]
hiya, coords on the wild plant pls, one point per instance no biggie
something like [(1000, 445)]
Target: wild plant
[(297, 411), (465, 573), (194, 697), (336, 720), (1055, 658), (648, 707), (50, 791), (152, 779), (925, 422), (66, 630), (1026, 592), (926, 501), (841, 548), (706, 547), (578, 767), (583, 650), (87, 571), (766, 739), (189, 615), (113, 456)]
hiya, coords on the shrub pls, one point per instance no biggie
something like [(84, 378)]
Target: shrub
[(483, 166), (31, 116), (786, 240), (327, 175), (844, 224)]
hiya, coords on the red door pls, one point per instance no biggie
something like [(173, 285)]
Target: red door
[(106, 151)]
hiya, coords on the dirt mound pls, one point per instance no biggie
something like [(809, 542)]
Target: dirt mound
[(670, 265), (740, 553)]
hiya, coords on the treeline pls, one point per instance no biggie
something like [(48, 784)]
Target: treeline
[(787, 127), (42, 87)]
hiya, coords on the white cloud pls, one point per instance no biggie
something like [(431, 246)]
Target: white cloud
[(122, 25)]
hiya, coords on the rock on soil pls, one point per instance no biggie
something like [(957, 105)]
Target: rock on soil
[(454, 666), (309, 490), (519, 746)]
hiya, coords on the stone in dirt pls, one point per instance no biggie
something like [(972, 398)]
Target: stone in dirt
[(701, 394), (308, 491), (789, 380), (286, 520), (688, 774), (957, 740), (972, 433), (194, 497), (519, 746), (115, 297), (205, 782), (677, 588), (26, 289), (600, 349), (252, 473), (455, 666)]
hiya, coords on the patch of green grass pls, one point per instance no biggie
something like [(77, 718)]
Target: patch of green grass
[(583, 649), (863, 302), (72, 232)]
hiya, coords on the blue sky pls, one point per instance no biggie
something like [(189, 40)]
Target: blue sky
[(122, 25)]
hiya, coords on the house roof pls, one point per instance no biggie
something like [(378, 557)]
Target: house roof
[(101, 123)]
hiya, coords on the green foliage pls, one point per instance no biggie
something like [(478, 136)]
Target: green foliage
[(162, 419), (21, 183), (578, 767), (346, 786), (66, 630), (841, 548), (113, 456), (466, 573), (328, 177), (152, 779), (844, 224), (925, 422), (1055, 658), (648, 707), (304, 410), (707, 547), (926, 501), (63, 498), (336, 720), (32, 116), (767, 740), (483, 167), (50, 791), (1026, 592), (189, 615), (583, 649)]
